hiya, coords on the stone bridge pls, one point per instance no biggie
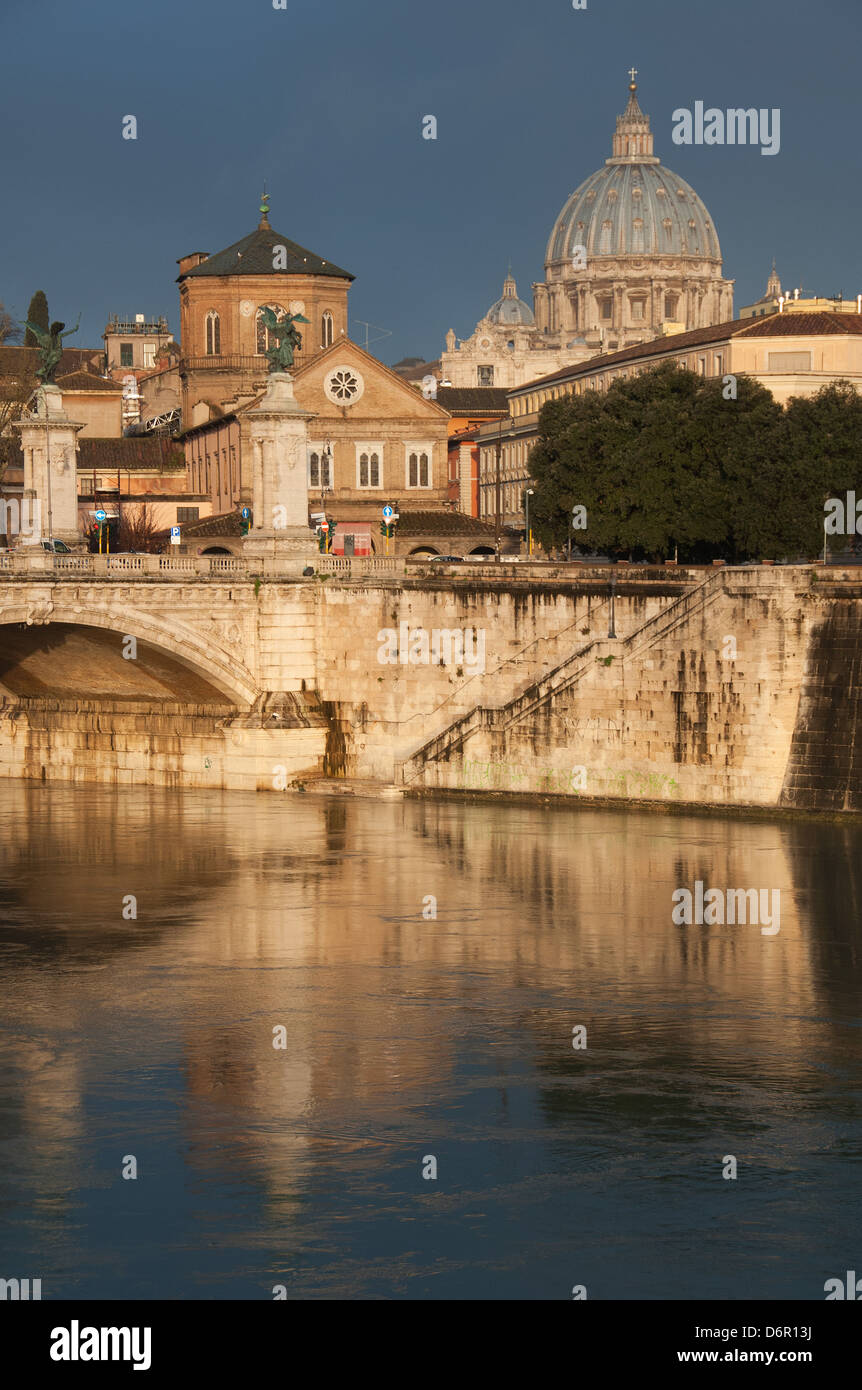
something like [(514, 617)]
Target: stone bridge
[(729, 686)]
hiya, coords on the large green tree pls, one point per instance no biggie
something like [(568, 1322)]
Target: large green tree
[(37, 314), (669, 462)]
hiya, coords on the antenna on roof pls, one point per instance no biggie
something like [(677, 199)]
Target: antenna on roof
[(380, 332)]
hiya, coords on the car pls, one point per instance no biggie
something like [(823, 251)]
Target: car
[(53, 547), (447, 559)]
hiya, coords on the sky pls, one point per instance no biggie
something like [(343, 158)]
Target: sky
[(325, 99)]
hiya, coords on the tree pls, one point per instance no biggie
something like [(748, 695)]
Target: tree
[(136, 530), (37, 314), (10, 329), (15, 392), (664, 463)]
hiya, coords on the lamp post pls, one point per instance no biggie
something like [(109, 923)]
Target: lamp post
[(324, 484), (528, 493)]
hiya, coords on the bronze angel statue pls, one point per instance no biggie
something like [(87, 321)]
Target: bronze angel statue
[(287, 336), (50, 346)]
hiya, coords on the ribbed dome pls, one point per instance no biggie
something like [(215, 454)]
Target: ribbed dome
[(629, 209), (511, 311), (633, 206)]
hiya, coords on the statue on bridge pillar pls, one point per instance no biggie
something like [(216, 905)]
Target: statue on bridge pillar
[(50, 346), (279, 445), (49, 445)]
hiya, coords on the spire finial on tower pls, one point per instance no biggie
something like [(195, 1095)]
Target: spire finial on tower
[(264, 209), (633, 141)]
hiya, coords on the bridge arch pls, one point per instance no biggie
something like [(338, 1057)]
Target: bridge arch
[(206, 658)]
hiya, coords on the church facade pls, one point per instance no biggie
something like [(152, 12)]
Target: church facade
[(634, 254)]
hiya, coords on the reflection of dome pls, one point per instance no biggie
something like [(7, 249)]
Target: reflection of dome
[(510, 311), (634, 205)]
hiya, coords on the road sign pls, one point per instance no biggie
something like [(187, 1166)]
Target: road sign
[(175, 535), (245, 513), (324, 525), (387, 512), (101, 516)]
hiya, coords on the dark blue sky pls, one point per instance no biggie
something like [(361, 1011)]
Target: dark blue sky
[(325, 100)]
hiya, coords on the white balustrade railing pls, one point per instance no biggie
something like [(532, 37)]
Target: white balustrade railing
[(125, 562), (79, 564), (35, 561)]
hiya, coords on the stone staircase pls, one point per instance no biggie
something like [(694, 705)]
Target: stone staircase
[(575, 667)]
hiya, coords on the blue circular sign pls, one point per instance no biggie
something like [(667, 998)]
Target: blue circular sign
[(387, 512), (101, 516), (245, 513)]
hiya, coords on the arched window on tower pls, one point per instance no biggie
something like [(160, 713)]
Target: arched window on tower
[(638, 234), (213, 334), (605, 241), (327, 329), (265, 340)]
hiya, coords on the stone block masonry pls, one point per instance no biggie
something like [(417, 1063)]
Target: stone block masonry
[(724, 687)]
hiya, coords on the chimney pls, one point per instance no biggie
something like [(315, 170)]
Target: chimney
[(187, 263)]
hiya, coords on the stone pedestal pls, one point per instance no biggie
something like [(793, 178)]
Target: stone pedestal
[(279, 445), (48, 443)]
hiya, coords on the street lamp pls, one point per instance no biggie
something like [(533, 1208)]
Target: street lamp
[(528, 493), (324, 481)]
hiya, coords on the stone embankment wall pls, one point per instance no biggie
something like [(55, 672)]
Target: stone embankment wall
[(745, 692), (727, 687)]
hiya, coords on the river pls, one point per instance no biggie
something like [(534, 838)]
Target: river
[(285, 1013)]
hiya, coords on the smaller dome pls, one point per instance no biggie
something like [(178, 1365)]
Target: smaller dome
[(510, 310)]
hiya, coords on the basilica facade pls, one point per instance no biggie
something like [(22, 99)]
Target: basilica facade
[(633, 254)]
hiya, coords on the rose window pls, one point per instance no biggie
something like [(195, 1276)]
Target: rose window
[(344, 386)]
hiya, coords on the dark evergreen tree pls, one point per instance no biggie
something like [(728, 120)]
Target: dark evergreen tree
[(37, 314)]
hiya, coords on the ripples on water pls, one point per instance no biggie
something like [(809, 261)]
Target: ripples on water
[(410, 1036)]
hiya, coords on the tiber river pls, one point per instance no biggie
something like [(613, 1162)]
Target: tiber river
[(414, 1041)]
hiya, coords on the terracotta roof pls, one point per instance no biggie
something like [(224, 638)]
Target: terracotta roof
[(474, 400), (137, 451), (254, 255), (140, 453), (817, 324), (224, 524), (18, 364), (417, 370), (442, 523), (88, 381)]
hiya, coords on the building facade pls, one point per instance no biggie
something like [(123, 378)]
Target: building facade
[(373, 440)]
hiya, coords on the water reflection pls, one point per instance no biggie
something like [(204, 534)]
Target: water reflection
[(408, 1035)]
